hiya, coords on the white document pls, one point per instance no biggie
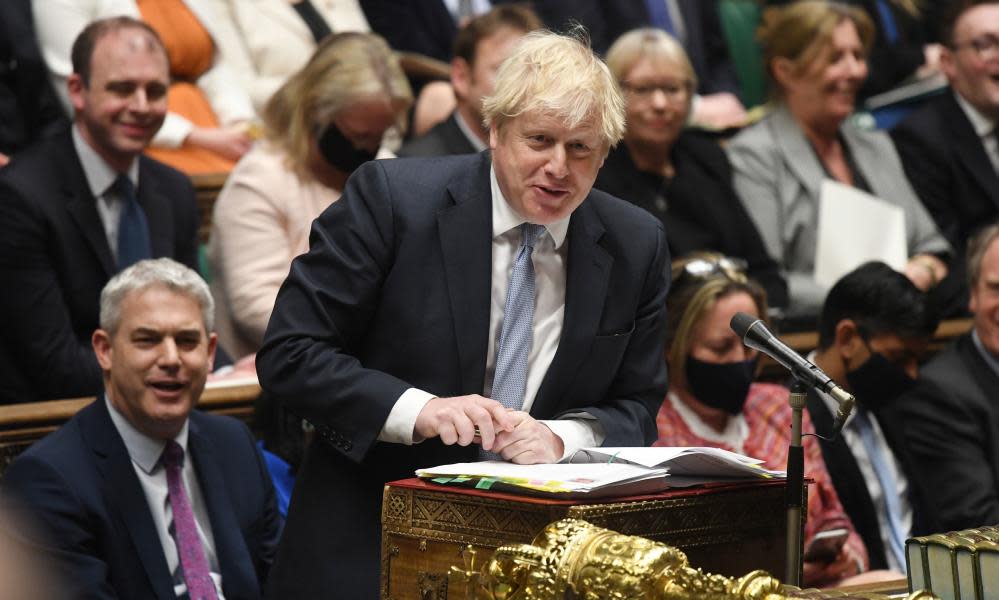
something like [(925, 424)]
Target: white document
[(692, 461), (855, 227)]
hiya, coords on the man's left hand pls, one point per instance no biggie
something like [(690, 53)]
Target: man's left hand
[(531, 442)]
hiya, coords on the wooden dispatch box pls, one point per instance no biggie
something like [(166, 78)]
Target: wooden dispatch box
[(725, 528)]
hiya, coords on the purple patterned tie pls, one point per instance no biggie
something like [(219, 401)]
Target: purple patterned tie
[(192, 555)]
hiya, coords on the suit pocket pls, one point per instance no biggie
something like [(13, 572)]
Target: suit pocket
[(608, 348)]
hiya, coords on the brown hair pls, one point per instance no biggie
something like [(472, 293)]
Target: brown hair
[(512, 16), (691, 298), (800, 31), (83, 46), (953, 15)]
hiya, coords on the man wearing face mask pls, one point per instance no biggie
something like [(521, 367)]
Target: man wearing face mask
[(873, 327)]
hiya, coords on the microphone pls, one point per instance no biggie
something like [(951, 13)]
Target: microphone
[(754, 333)]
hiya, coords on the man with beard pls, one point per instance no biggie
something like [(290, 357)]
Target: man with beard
[(874, 326)]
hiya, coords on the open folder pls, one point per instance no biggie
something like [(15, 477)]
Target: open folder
[(601, 472)]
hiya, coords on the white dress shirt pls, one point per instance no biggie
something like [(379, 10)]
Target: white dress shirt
[(145, 453), (851, 436), (580, 430), (100, 178)]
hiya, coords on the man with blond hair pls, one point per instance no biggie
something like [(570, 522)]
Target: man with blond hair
[(455, 308)]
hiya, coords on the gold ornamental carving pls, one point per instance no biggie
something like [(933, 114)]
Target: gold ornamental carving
[(573, 559)]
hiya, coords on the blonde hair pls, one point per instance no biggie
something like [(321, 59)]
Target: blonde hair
[(799, 32), (557, 74), (651, 43), (346, 67), (691, 298)]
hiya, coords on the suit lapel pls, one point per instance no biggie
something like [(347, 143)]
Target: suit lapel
[(969, 148), (465, 230), (587, 273), (230, 547), (799, 157), (157, 207), (124, 495), (81, 205)]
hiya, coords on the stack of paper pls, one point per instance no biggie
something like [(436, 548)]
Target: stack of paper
[(597, 472)]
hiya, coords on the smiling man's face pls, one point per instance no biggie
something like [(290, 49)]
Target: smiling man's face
[(156, 362), (544, 168)]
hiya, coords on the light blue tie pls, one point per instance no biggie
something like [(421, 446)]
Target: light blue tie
[(889, 490), (517, 331), (133, 228)]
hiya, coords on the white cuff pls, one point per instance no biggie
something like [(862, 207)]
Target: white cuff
[(580, 431), (401, 421)]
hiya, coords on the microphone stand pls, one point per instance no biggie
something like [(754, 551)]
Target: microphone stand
[(794, 494)]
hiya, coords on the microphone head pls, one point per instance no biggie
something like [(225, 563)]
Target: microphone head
[(741, 323)]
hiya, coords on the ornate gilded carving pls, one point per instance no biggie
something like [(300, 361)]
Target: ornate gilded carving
[(573, 558), (431, 586)]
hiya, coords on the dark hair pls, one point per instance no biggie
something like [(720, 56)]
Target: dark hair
[(879, 300), (953, 14), (83, 46), (514, 16)]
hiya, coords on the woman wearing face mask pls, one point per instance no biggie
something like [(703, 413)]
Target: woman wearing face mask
[(713, 401), (815, 53), (323, 123)]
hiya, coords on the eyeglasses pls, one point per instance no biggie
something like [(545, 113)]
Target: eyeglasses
[(644, 91), (731, 268), (986, 47)]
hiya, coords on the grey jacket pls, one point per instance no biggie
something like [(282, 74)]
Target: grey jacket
[(778, 177)]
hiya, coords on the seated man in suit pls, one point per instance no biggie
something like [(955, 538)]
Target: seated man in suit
[(950, 146), (480, 47), (139, 496), (494, 291), (77, 208), (874, 326), (952, 418)]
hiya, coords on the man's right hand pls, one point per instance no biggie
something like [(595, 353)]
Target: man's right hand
[(456, 419)]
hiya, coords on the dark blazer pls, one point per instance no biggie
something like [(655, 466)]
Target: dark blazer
[(852, 488), (705, 41), (444, 138), (698, 207), (947, 164), (951, 430), (78, 488), (404, 260), (424, 27), (55, 254)]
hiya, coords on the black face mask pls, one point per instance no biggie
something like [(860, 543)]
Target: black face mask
[(878, 381), (721, 385), (340, 151)]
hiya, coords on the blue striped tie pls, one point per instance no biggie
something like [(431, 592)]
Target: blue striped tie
[(889, 490)]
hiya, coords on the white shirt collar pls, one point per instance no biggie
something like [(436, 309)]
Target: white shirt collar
[(505, 218), (99, 174), (473, 139), (982, 125), (142, 449)]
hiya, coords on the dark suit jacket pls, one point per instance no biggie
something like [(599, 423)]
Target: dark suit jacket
[(851, 487), (79, 490), (606, 21), (424, 27), (947, 164), (395, 293), (698, 207), (444, 138), (951, 430), (55, 255)]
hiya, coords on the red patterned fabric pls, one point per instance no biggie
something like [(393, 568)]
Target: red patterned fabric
[(769, 419)]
